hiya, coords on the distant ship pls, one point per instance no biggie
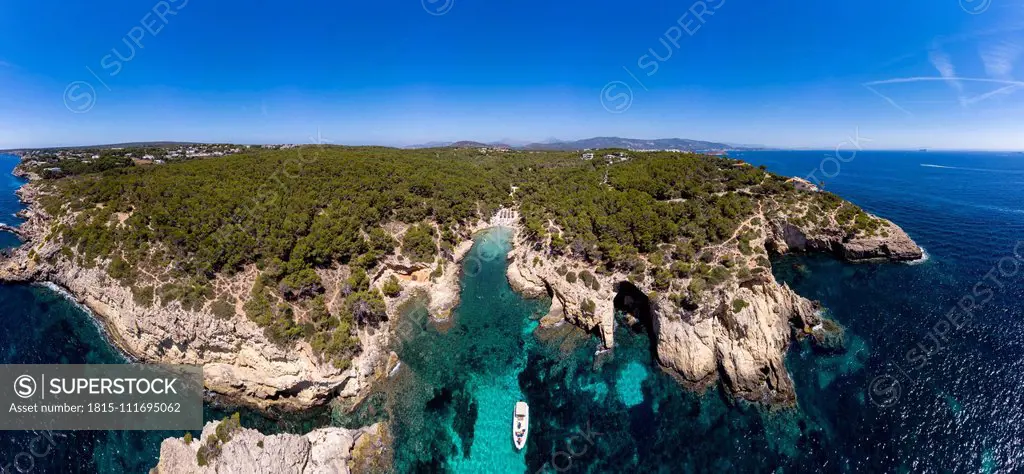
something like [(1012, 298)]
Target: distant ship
[(923, 149), (520, 424)]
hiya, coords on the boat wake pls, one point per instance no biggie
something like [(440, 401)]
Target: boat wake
[(984, 170)]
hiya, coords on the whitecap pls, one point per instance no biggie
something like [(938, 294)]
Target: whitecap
[(93, 318), (924, 258)]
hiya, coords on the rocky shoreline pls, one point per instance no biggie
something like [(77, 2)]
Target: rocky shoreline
[(241, 365), (322, 451), (734, 331), (737, 331)]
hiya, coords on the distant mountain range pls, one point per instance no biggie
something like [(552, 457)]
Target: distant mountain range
[(460, 144), (682, 144), (595, 143)]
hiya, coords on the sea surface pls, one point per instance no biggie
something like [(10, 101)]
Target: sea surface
[(911, 392)]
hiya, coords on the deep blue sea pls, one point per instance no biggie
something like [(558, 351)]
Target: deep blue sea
[(912, 392)]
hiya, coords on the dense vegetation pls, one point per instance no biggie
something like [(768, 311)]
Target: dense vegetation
[(294, 211)]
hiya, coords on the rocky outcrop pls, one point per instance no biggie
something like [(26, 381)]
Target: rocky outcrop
[(240, 363), (701, 345), (323, 451), (536, 273), (806, 226), (889, 244), (733, 328), (745, 347)]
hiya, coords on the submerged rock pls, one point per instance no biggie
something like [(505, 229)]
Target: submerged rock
[(829, 336)]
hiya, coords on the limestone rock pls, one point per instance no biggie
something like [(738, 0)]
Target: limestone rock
[(323, 451), (239, 361)]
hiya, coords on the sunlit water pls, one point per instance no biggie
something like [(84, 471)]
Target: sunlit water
[(450, 403)]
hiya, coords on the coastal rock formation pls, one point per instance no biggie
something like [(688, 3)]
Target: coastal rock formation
[(745, 348), (890, 244), (535, 273), (732, 328), (239, 361), (323, 451)]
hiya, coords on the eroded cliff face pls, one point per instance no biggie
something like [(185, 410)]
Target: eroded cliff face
[(535, 272), (238, 359), (732, 328), (745, 347), (323, 451)]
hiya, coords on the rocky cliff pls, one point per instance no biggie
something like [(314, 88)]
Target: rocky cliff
[(724, 318), (323, 451), (239, 361)]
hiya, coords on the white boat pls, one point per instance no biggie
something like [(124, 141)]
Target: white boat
[(520, 424)]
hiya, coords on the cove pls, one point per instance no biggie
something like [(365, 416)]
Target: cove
[(450, 403)]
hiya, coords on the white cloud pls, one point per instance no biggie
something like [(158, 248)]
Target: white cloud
[(940, 60), (999, 57)]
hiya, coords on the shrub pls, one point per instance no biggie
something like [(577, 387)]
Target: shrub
[(358, 280), (590, 280), (120, 270), (391, 287), (719, 275), (662, 278), (738, 304), (302, 283), (588, 307), (188, 438), (697, 286), (143, 296), (570, 277), (214, 443), (366, 307), (681, 269), (418, 243), (223, 309)]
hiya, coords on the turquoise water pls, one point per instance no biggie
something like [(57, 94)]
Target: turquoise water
[(874, 407), (458, 384), (451, 401)]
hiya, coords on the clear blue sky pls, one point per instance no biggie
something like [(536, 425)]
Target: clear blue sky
[(913, 73)]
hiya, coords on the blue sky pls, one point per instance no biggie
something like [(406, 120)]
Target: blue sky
[(908, 74)]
